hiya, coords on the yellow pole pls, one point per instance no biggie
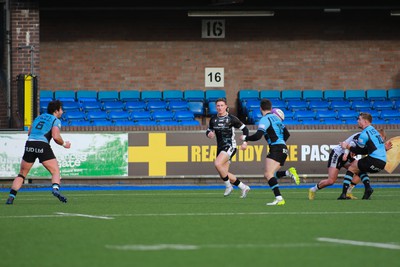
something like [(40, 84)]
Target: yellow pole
[(28, 101)]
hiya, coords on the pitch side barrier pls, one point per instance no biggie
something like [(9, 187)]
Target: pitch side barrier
[(171, 154)]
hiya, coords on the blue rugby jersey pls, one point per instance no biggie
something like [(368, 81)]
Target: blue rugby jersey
[(41, 127)]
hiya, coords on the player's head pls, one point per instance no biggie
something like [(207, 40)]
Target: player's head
[(364, 119), (54, 106), (221, 106), (265, 105)]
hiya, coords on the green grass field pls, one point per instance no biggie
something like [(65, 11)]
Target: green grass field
[(200, 228)]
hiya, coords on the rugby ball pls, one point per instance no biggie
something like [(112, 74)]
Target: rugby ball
[(278, 112)]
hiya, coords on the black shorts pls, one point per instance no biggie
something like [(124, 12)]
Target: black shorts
[(230, 150), (278, 153), (371, 165), (37, 149)]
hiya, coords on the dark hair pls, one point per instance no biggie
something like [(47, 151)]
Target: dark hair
[(53, 106), (265, 104), (366, 116), (221, 99)]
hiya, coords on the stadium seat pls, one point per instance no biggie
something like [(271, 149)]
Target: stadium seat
[(71, 106), (168, 123), (376, 95), (340, 105), (194, 95), (134, 106), (79, 123), (392, 121), (146, 123), (163, 115), (360, 105), (389, 114), (184, 115), (124, 123), (197, 108), (292, 122), (106, 96), (318, 105), (332, 95), (65, 96), (312, 95), (91, 106), (118, 116), (46, 95), (102, 123), (295, 105), (254, 116), (151, 96), (380, 121), (292, 94), (157, 105), (97, 116), (331, 121), (172, 95), (129, 95), (74, 116), (190, 123), (382, 105), (279, 104), (272, 95), (251, 105), (86, 96), (212, 109), (288, 114), (113, 106), (325, 114), (355, 94), (213, 95), (141, 116), (312, 122), (394, 94), (176, 105), (348, 115), (43, 106), (248, 94), (302, 115)]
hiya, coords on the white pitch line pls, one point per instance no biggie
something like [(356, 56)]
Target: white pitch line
[(358, 243), (84, 215)]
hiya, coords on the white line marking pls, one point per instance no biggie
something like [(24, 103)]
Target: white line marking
[(141, 247), (84, 215), (358, 243)]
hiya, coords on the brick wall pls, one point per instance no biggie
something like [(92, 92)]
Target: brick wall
[(104, 51)]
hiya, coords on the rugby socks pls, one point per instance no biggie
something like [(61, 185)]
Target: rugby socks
[(365, 179), (55, 186), (13, 193), (315, 188), (347, 181), (280, 174), (273, 183), (239, 184), (226, 181)]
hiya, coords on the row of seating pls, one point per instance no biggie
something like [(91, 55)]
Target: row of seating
[(131, 95), (120, 118)]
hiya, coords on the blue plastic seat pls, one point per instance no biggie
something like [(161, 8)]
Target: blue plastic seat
[(380, 121), (288, 114), (43, 106), (141, 116), (213, 95), (326, 114), (248, 94), (184, 115), (65, 96), (251, 105), (376, 94), (102, 123), (172, 95), (382, 105), (176, 105), (212, 109), (392, 121), (124, 123), (331, 121), (146, 123), (291, 94), (254, 116), (163, 115), (151, 96), (279, 104), (340, 105), (79, 123), (106, 96), (302, 115), (312, 122), (132, 106), (355, 94), (46, 95), (86, 96), (394, 94), (74, 116), (348, 114), (312, 95), (97, 115), (129, 95), (389, 114), (272, 95), (332, 95), (295, 105), (168, 123), (360, 105), (113, 106), (91, 106), (197, 108), (194, 95), (292, 122), (118, 116), (157, 105), (318, 105), (71, 106)]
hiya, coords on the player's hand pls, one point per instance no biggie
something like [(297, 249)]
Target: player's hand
[(345, 157), (243, 146), (67, 144), (344, 145), (211, 135), (388, 145)]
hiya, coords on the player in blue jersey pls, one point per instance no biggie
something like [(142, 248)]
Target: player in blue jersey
[(369, 142), (276, 134), (44, 128), (222, 126)]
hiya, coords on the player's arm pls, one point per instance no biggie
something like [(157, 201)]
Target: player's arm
[(286, 134), (210, 130), (255, 137), (56, 134)]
